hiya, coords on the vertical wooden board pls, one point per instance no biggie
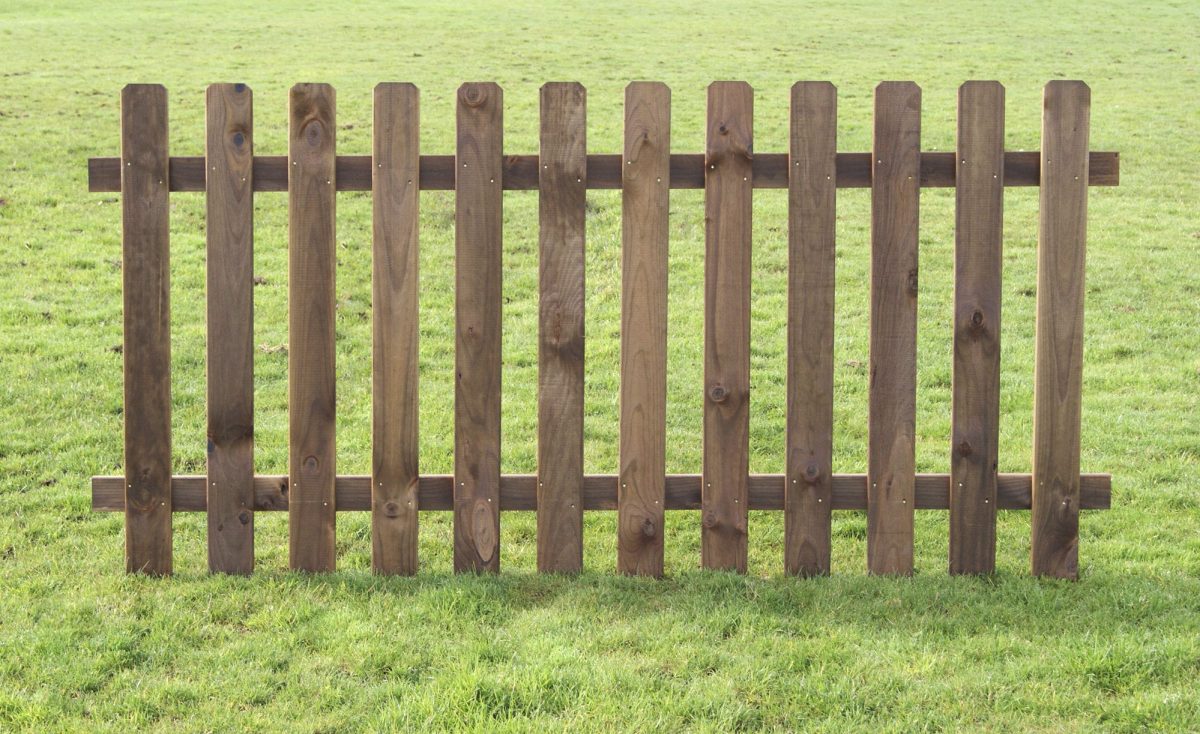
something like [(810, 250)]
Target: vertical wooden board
[(562, 189), (645, 201), (891, 457), (145, 244), (395, 285), (478, 262), (230, 218), (812, 186), (1058, 371), (727, 213), (311, 296), (979, 202)]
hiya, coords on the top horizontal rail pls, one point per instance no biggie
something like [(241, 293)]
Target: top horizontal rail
[(521, 172)]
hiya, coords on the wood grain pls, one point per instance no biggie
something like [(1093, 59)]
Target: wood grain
[(311, 318), (645, 211), (560, 328), (145, 246), (518, 492), (478, 263), (978, 263), (395, 285), (230, 299), (727, 213), (1058, 370), (891, 458), (812, 217), (1021, 168)]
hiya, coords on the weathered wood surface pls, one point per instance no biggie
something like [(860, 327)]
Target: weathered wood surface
[(891, 457), (230, 298), (1021, 168), (311, 317), (145, 247), (979, 219), (645, 209), (478, 263), (681, 492), (727, 215), (560, 327), (811, 220), (1058, 368), (395, 285)]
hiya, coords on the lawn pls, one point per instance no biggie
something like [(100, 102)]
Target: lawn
[(85, 647)]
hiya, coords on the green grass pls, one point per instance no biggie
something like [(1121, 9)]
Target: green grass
[(84, 647)]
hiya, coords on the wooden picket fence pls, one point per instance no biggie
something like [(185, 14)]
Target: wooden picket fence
[(479, 172)]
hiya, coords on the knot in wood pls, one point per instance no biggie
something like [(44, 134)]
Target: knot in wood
[(473, 96), (313, 132), (648, 528), (710, 519), (964, 448), (912, 281), (718, 393), (238, 139), (812, 472), (311, 463), (391, 509), (244, 517)]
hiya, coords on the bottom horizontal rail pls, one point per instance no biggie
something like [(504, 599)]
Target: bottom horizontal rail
[(519, 492)]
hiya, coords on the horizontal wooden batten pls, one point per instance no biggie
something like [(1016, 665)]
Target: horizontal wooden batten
[(519, 492), (1021, 168)]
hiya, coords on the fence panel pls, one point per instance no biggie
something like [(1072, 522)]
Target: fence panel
[(808, 490), (727, 216), (979, 207), (311, 319), (645, 208), (479, 172), (560, 329), (145, 245), (895, 200), (478, 263), (395, 285), (230, 229), (1058, 370)]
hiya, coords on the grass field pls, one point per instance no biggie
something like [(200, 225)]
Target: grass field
[(84, 647)]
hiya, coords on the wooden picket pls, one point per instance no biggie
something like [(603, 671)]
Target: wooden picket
[(976, 382), (892, 408), (644, 222), (395, 283), (477, 233), (724, 493), (311, 298), (146, 267), (808, 502), (230, 227)]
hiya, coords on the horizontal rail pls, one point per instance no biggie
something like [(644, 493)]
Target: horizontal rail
[(519, 492), (521, 172)]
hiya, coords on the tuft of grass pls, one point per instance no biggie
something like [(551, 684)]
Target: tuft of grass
[(83, 647)]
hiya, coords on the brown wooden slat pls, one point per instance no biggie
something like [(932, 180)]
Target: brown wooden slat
[(230, 228), (1021, 168), (645, 211), (1058, 370), (727, 213), (311, 318), (395, 284), (145, 238), (979, 209), (560, 329), (478, 263), (892, 403), (518, 492), (811, 219)]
